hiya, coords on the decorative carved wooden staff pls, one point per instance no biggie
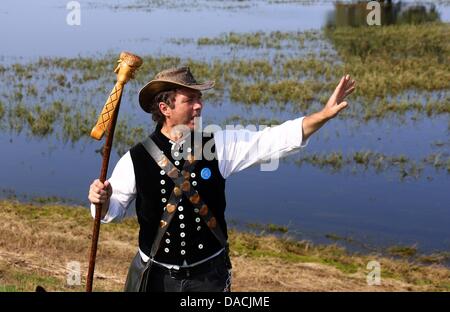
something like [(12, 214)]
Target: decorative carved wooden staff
[(128, 64)]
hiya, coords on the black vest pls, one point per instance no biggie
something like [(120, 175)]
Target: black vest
[(187, 237)]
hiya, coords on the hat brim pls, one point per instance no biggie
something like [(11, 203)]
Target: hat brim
[(152, 88)]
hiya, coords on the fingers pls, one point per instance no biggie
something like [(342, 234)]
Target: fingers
[(339, 87), (343, 85), (342, 106), (97, 183), (108, 187), (99, 192), (349, 91), (348, 88), (350, 84)]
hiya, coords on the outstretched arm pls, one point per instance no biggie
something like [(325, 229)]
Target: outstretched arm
[(335, 104)]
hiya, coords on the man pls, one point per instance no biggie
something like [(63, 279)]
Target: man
[(180, 189)]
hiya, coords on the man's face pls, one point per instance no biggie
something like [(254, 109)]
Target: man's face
[(188, 105)]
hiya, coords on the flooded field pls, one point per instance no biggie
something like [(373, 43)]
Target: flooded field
[(378, 175)]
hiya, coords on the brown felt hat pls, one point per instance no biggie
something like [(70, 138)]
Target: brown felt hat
[(167, 80)]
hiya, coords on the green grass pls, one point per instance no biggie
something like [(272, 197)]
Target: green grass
[(270, 228), (403, 251), (274, 40), (394, 42), (28, 280), (391, 59), (291, 250)]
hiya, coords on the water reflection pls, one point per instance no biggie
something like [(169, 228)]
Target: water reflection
[(355, 14)]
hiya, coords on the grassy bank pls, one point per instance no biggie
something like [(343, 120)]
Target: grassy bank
[(39, 240)]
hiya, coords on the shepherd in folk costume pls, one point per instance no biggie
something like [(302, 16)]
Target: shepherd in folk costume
[(177, 177)]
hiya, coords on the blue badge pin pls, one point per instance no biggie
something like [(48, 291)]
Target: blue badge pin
[(205, 173)]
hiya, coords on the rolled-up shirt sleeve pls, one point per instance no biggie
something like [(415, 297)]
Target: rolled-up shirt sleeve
[(239, 149), (123, 184)]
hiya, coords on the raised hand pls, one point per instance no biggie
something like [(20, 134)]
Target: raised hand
[(336, 102)]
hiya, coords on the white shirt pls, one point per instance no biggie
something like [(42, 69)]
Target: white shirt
[(236, 150)]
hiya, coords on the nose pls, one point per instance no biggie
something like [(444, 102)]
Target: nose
[(198, 105)]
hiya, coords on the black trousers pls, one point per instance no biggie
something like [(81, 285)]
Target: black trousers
[(212, 276)]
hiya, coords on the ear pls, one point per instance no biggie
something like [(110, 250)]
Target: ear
[(165, 109)]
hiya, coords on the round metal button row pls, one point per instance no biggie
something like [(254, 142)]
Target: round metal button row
[(197, 220), (181, 217), (200, 246), (183, 243), (194, 183), (192, 175), (196, 210), (163, 182), (183, 252), (166, 250), (180, 208), (163, 200), (176, 154), (182, 225), (199, 228), (182, 234), (167, 241), (177, 162), (162, 172), (163, 191)]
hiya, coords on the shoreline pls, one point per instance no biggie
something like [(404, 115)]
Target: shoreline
[(39, 241), (322, 238)]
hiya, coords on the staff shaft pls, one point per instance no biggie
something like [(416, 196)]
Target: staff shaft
[(117, 91)]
